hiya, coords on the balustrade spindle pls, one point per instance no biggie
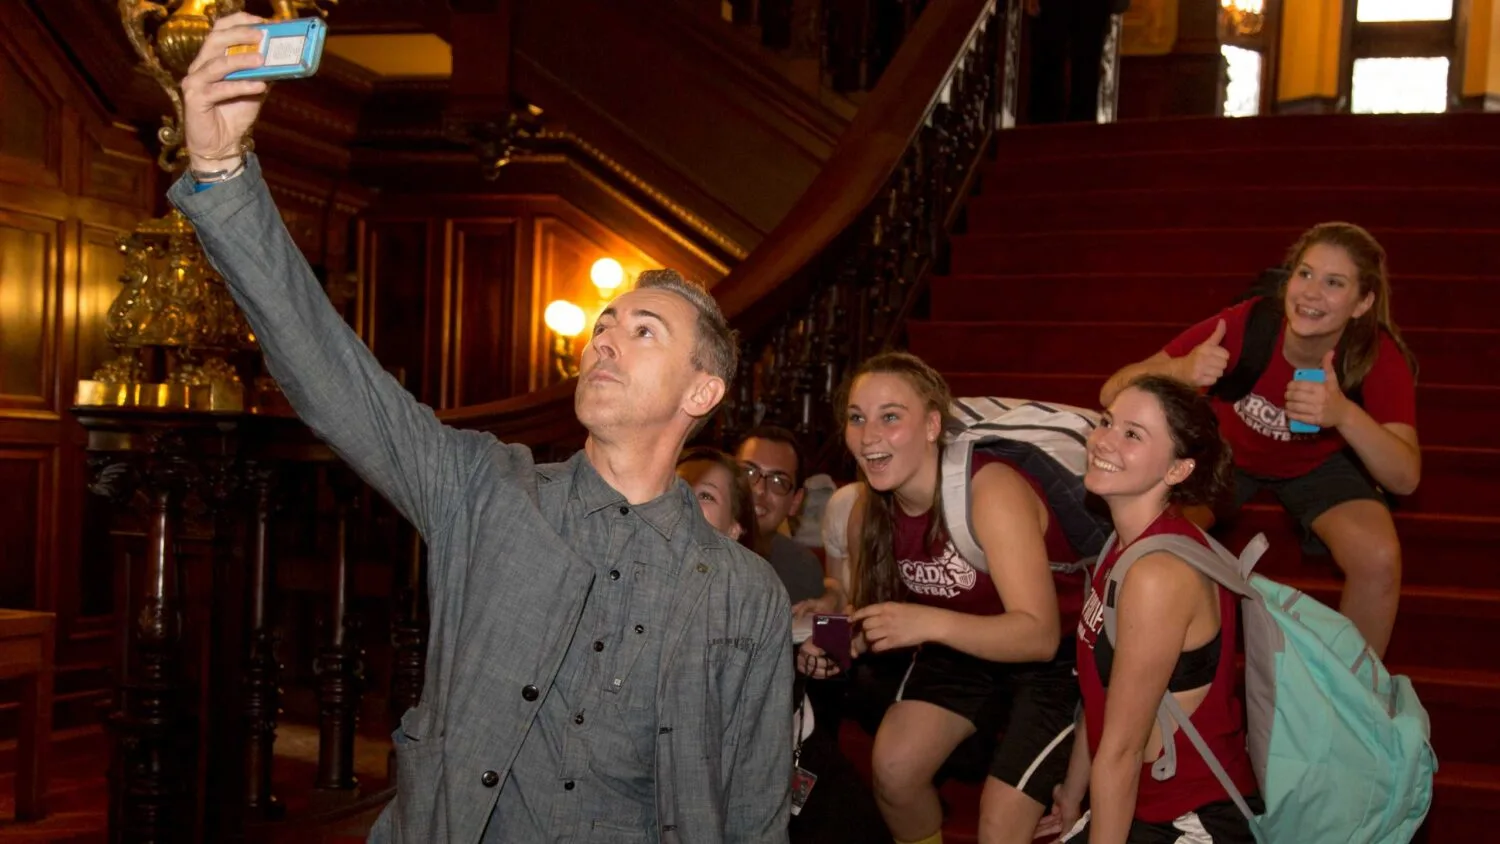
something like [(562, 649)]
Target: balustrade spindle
[(262, 671), (339, 666), (153, 769)]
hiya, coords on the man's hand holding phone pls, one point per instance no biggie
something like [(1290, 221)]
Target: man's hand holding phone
[(217, 113)]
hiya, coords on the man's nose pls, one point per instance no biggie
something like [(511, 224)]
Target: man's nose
[(604, 344)]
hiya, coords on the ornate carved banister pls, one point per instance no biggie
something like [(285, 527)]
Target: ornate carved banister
[(835, 280)]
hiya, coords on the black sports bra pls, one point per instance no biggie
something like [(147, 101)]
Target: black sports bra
[(1194, 669)]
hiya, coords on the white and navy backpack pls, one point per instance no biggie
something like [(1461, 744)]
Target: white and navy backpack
[(1046, 441)]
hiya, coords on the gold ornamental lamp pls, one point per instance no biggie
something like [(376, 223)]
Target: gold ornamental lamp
[(1241, 18), (174, 325)]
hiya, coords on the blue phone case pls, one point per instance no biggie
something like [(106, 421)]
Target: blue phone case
[(291, 49), (1318, 376)]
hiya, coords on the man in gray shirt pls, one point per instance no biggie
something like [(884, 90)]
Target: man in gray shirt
[(603, 666), (772, 459)]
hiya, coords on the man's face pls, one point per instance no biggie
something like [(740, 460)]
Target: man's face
[(637, 370), (773, 470)]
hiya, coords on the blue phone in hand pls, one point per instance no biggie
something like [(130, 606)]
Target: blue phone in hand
[(1317, 376), (291, 49)]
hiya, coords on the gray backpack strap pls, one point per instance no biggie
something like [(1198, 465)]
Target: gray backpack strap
[(1214, 562), (1172, 708), (1166, 767), (958, 504)]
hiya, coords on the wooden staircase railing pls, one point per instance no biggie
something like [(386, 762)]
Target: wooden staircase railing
[(836, 279)]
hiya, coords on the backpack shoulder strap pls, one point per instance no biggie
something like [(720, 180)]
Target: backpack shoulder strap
[(958, 505), (1261, 328), (1221, 566), (1173, 710)]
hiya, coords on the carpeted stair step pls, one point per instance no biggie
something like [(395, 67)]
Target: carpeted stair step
[(1418, 301), (1465, 803), (1461, 481), (1447, 356), (1337, 167), (1431, 252), (1463, 705), (1287, 132), (1010, 212), (1438, 627)]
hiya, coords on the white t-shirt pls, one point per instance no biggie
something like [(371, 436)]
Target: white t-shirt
[(836, 521)]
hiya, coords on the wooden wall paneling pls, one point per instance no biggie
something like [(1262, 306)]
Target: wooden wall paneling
[(28, 297), (30, 123), (70, 181), (25, 524), (485, 269), (394, 296)]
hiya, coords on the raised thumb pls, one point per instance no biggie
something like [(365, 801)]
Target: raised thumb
[(1218, 335), (1328, 365)]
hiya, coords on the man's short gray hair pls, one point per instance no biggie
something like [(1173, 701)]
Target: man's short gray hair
[(717, 350)]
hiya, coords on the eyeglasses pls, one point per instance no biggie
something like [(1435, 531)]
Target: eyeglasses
[(780, 482)]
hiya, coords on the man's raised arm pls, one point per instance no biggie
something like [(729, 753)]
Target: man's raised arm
[(331, 378)]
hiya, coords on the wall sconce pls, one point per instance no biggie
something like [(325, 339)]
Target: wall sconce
[(1242, 18), (607, 275), (565, 320)]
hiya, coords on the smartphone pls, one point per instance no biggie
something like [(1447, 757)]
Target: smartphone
[(831, 634), (1317, 376), (291, 49)]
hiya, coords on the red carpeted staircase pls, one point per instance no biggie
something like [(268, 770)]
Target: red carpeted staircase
[(1090, 247)]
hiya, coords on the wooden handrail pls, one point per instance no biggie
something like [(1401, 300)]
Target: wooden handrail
[(867, 155)]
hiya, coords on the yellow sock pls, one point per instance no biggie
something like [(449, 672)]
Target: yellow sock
[(935, 838)]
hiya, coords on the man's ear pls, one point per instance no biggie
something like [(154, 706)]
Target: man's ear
[(797, 497), (736, 531), (1181, 470), (705, 394)]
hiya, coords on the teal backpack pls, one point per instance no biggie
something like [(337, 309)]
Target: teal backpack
[(1340, 747)]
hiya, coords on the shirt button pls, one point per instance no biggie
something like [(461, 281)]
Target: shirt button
[(624, 511), (614, 574), (640, 628), (578, 719), (568, 786), (703, 568), (598, 646), (489, 779), (529, 693)]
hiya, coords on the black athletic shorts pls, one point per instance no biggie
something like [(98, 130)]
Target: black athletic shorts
[(1338, 479), (1031, 706), (1215, 823)]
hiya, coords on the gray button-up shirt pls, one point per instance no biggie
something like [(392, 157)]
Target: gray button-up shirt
[(584, 767), (518, 593)]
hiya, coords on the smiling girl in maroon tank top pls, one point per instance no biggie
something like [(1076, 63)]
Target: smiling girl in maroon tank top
[(1157, 447)]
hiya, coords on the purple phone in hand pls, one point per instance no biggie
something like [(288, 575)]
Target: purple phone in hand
[(831, 634), (1317, 376)]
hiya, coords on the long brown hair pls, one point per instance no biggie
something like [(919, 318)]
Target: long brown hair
[(873, 560), (1360, 343)]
